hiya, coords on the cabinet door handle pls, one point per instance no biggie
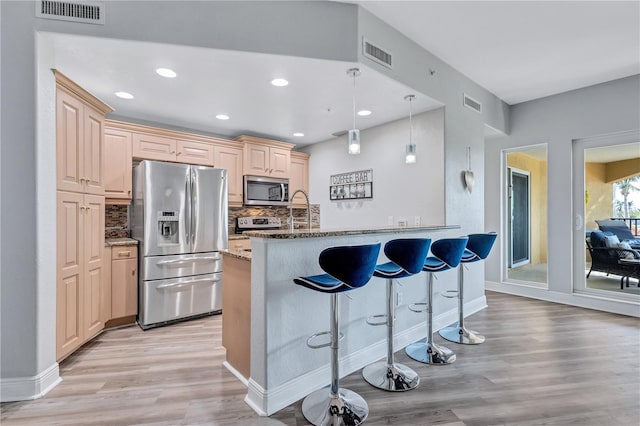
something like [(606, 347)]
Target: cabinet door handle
[(82, 180), (133, 271), (129, 192), (179, 153), (172, 152)]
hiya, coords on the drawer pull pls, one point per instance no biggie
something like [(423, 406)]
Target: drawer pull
[(124, 254)]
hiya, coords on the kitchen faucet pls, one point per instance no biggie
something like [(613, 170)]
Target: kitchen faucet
[(306, 196)]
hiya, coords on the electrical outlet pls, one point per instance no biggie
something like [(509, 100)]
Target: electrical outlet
[(390, 220), (416, 220), (403, 222)]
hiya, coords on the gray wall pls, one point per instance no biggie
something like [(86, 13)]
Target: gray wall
[(399, 190), (557, 121), (315, 29)]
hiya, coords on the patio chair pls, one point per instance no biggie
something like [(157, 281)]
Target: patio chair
[(620, 229), (608, 259)]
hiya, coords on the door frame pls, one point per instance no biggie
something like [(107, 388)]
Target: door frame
[(578, 148), (510, 172)]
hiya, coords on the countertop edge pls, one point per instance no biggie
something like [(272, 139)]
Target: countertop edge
[(238, 254), (111, 242), (284, 234)]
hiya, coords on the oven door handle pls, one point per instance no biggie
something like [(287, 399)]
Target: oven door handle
[(282, 198)]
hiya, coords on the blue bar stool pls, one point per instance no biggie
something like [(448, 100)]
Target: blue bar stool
[(407, 258), (478, 248), (447, 253), (347, 268)]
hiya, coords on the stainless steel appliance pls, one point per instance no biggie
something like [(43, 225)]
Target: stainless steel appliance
[(179, 216), (265, 191), (252, 223)]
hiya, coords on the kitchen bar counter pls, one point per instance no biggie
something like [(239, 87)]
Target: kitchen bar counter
[(315, 233), (282, 369)]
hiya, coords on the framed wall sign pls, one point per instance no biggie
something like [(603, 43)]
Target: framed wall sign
[(351, 185)]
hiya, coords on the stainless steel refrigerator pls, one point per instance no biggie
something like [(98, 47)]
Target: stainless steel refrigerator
[(179, 216)]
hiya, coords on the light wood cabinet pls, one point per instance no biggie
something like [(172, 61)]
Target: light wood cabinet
[(151, 147), (80, 277), (118, 166), (79, 129), (299, 176), (80, 274), (230, 158), (124, 281), (192, 152), (265, 157)]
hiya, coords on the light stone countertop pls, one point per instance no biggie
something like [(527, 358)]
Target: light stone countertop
[(316, 233), (110, 242), (238, 254)]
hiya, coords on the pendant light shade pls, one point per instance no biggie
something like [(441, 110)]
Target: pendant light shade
[(410, 150), (353, 141)]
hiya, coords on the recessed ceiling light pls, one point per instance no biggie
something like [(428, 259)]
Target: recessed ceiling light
[(166, 72), (280, 82), (364, 113), (298, 134), (222, 117), (124, 95)]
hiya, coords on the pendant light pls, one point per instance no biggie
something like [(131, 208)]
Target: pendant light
[(410, 152), (353, 140)]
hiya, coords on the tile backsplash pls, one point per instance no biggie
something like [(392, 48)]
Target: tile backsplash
[(117, 218), (116, 221)]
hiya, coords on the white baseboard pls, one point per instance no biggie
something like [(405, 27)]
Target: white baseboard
[(600, 303), (27, 388), (236, 373), (266, 402)]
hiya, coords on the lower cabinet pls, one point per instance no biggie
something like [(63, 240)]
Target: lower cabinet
[(124, 282), (80, 280)]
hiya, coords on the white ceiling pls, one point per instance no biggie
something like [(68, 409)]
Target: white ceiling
[(517, 50), (524, 50)]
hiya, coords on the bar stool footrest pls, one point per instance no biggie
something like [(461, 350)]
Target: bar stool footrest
[(372, 319), (414, 307), (321, 345), (450, 294)]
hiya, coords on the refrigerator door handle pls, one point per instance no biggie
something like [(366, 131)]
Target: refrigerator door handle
[(194, 212), (189, 283), (188, 260), (188, 213)]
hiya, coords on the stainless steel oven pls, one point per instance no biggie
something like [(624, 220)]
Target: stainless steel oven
[(265, 191)]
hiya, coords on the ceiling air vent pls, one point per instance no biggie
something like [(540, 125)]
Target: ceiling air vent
[(471, 103), (377, 54), (89, 12)]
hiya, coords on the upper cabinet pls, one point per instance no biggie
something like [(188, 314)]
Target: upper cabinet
[(151, 147), (193, 152), (79, 138), (266, 157), (117, 165), (229, 157), (299, 176)]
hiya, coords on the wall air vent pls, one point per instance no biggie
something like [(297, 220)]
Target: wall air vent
[(376, 54), (88, 12), (471, 103)]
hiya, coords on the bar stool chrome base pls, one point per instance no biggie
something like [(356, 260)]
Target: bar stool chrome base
[(320, 408), (461, 335), (430, 353), (394, 378)]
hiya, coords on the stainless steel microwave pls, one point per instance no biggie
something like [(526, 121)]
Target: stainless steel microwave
[(265, 191)]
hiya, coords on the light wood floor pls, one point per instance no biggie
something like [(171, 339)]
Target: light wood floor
[(542, 363)]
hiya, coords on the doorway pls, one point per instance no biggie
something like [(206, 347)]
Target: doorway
[(519, 212), (525, 213)]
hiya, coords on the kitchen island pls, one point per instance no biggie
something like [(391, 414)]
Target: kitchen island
[(283, 369)]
